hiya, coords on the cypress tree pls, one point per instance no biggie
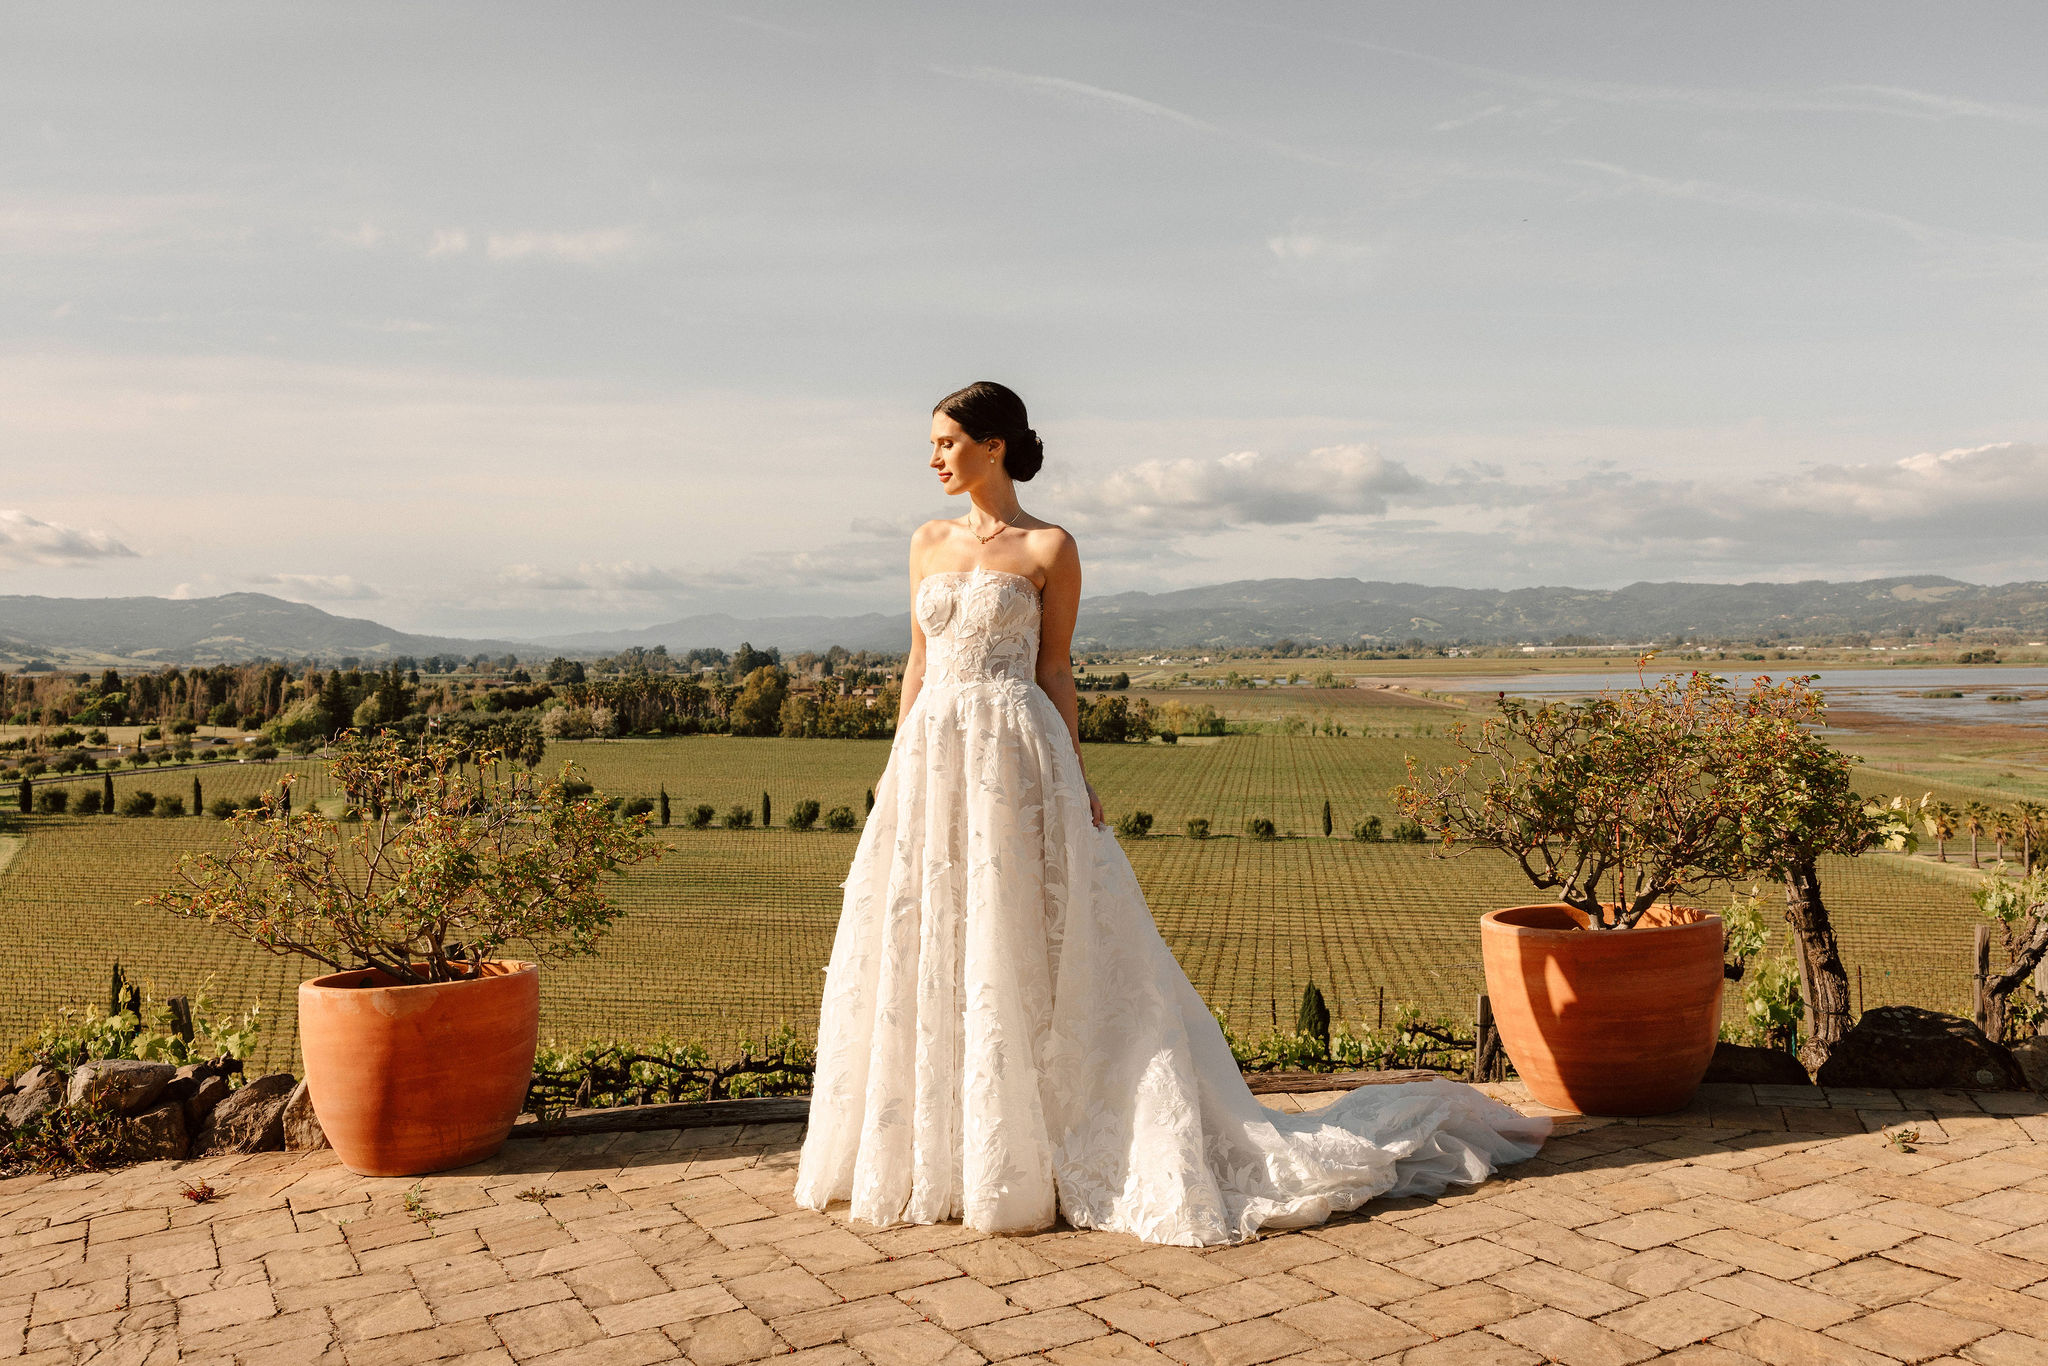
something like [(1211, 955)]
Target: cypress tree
[(198, 797), (1326, 815), (767, 818), (28, 796), (664, 805), (871, 799), (107, 793)]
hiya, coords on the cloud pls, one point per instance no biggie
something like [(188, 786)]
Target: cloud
[(448, 242), (622, 577), (580, 248), (1245, 488), (31, 540), (321, 587)]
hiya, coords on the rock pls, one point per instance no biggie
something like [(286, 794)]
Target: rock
[(159, 1133), (250, 1120), (2032, 1056), (1755, 1066), (207, 1092), (302, 1131), (123, 1084), (36, 1090), (1904, 1046)]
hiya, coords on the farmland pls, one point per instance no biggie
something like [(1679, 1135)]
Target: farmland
[(730, 931)]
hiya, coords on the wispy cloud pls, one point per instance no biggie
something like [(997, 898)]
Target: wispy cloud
[(320, 587), (28, 540), (1134, 104), (621, 577), (581, 248), (1245, 488)]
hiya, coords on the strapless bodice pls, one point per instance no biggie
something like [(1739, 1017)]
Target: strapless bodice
[(980, 625)]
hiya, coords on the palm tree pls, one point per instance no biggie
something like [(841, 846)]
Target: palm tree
[(2004, 821), (1941, 823), (2033, 822), (1976, 816)]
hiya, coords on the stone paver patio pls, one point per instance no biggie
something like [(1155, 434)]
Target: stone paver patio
[(1788, 1225)]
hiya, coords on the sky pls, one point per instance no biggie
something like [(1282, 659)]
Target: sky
[(505, 319)]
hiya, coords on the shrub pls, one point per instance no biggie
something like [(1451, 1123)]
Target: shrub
[(1168, 737), (184, 727), (1368, 829), (263, 751), (701, 816), (1260, 828), (138, 803), (89, 802), (805, 816), (841, 818), (639, 806), (153, 733), (739, 817), (1135, 825), (54, 801), (170, 806), (1408, 832), (1198, 828), (576, 790), (220, 808)]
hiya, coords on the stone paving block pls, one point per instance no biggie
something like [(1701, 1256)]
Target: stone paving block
[(1150, 1315), (1253, 1298), (342, 1291), (834, 1322), (1979, 1175), (961, 1302), (1758, 1254), (1472, 1260), (2030, 1243), (1270, 1254), (833, 1250), (498, 1299), (381, 1316), (545, 1328), (1661, 1270), (1912, 1332), (1239, 1344), (1442, 1313), (1681, 1317), (1087, 1247), (1111, 1349), (1455, 1223), (1175, 1270), (1068, 1287), (1874, 1282), (1988, 1304), (1565, 1338), (1354, 1327), (1784, 1344), (213, 1309), (1562, 1289), (1946, 1258), (663, 1311), (1844, 1237), (914, 1344), (1554, 1207), (1365, 1281), (221, 1343), (618, 1282), (997, 1261), (1943, 1222), (2014, 1208), (789, 1290), (1466, 1349), (76, 1301), (885, 1277), (725, 1339), (2008, 1349), (1048, 1328), (1367, 1238), (1651, 1228), (428, 1344), (1778, 1300), (1559, 1246)]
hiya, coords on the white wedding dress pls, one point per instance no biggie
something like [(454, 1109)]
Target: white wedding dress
[(1004, 1035)]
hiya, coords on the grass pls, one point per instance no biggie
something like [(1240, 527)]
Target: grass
[(730, 932)]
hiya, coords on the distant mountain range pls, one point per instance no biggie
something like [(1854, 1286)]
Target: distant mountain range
[(225, 629), (1248, 612)]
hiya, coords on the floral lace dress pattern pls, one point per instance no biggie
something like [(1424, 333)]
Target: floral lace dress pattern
[(1004, 1036)]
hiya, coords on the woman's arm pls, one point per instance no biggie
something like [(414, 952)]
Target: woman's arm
[(913, 665), (1059, 606)]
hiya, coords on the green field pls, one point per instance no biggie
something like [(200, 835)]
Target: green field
[(729, 933)]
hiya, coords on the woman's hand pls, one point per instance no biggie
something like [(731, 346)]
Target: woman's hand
[(1094, 806)]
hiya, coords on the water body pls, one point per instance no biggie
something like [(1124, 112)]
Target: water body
[(1894, 693)]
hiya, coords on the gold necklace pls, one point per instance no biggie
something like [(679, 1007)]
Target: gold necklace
[(1000, 526)]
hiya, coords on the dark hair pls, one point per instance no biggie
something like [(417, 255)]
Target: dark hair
[(986, 410)]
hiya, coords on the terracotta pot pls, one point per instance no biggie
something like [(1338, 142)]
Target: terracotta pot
[(1608, 1022), (413, 1079)]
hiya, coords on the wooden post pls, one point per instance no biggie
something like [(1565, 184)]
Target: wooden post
[(1859, 991), (1382, 1020), (1486, 1057), (1980, 977)]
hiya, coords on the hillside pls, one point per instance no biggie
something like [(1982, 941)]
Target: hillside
[(224, 629)]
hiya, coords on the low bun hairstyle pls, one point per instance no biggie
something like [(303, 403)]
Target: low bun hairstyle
[(986, 410)]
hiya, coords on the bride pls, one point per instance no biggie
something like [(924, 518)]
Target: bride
[(1004, 1036)]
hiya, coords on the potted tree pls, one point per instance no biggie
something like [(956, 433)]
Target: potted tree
[(419, 1043), (1608, 1002)]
